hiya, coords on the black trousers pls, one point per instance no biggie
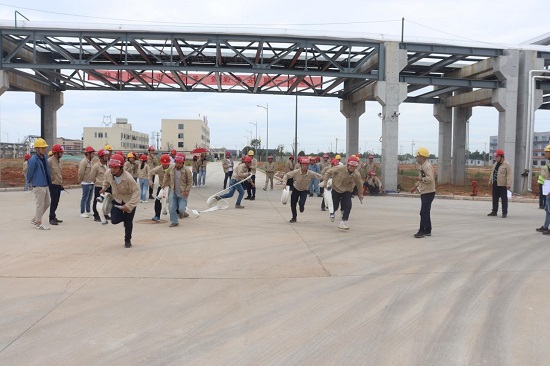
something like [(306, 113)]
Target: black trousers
[(55, 193), (118, 216), (542, 198), (373, 189), (226, 179), (502, 193), (250, 190), (426, 200), (290, 183), (344, 199), (296, 196), (158, 204), (94, 204)]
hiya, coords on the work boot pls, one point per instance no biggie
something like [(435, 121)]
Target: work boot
[(53, 222), (58, 221), (504, 216), (541, 229), (127, 244), (419, 234), (547, 232), (302, 208), (265, 188), (239, 206), (292, 220), (492, 214)]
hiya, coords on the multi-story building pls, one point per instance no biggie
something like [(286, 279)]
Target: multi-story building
[(540, 140), (185, 134), (119, 135)]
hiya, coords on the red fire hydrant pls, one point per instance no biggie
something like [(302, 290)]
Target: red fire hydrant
[(474, 187)]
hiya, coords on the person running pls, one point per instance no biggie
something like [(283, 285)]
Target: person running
[(301, 180), (501, 180), (288, 167), (39, 180), (426, 186), (125, 193), (180, 181), (143, 178), (269, 172), (57, 182), (98, 175), (332, 163), (227, 165), (25, 169), (242, 171), (160, 170), (344, 179), (251, 184), (84, 169), (153, 162)]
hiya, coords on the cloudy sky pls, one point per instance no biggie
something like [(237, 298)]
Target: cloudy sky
[(320, 123)]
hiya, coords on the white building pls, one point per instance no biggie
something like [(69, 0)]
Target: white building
[(119, 135), (540, 140), (185, 134)]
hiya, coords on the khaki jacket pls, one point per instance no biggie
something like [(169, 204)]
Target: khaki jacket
[(240, 172), (25, 167), (269, 167), (143, 173), (55, 170), (196, 165), (343, 181), (374, 181), (253, 166), (226, 164), (323, 164), (504, 175), (152, 161), (301, 180), (426, 184), (203, 163), (157, 170), (131, 168), (84, 170), (185, 182), (98, 173), (126, 191), (289, 165)]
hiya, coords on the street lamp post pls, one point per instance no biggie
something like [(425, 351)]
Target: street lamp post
[(267, 129)]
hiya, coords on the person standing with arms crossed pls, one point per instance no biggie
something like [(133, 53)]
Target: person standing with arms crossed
[(57, 182), (425, 184), (501, 180), (97, 175)]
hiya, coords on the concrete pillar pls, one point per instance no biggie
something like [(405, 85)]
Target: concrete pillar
[(461, 117), (49, 104), (445, 117), (390, 93), (352, 112), (4, 82), (527, 61)]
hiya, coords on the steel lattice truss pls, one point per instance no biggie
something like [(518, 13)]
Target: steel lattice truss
[(235, 63)]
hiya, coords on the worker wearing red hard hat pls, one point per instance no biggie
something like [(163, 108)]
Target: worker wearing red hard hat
[(326, 164), (125, 193), (180, 181), (97, 175), (301, 179), (160, 171), (143, 177), (84, 178), (269, 169), (288, 167), (56, 185), (251, 184), (153, 162), (242, 171), (501, 180), (173, 153), (227, 165)]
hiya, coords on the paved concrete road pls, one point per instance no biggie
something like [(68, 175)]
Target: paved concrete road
[(245, 287)]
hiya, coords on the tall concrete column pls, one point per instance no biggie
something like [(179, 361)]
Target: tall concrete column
[(352, 112), (461, 117), (390, 93), (445, 117), (49, 104), (527, 61), (4, 82)]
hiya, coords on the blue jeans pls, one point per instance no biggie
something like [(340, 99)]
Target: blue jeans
[(238, 187), (87, 193), (177, 204), (547, 209), (195, 174), (314, 186), (202, 177), (27, 184), (144, 188)]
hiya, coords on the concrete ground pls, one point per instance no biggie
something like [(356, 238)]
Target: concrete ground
[(245, 287)]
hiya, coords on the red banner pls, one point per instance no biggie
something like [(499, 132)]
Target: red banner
[(155, 77)]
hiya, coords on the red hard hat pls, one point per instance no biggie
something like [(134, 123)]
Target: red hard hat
[(291, 157), (119, 153), (89, 149), (499, 152), (334, 162), (353, 161), (102, 152), (116, 161), (304, 161), (372, 172), (317, 158), (227, 153), (57, 148), (173, 152), (247, 159), (27, 156), (143, 157), (165, 159), (325, 155), (151, 148), (180, 158)]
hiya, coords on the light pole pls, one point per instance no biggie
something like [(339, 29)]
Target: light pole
[(250, 132), (255, 124), (267, 129)]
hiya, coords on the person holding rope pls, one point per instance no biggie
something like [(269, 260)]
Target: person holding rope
[(160, 170), (301, 179), (180, 180), (242, 171), (98, 175)]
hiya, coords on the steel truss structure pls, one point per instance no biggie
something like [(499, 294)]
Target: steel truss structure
[(230, 63)]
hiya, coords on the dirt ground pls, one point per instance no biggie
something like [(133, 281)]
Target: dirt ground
[(12, 176)]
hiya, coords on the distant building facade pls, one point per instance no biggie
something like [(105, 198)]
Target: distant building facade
[(184, 134), (119, 135), (540, 140)]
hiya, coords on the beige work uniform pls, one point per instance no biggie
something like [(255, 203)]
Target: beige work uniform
[(504, 175), (55, 170), (343, 181), (126, 191), (185, 182), (426, 184), (98, 173), (301, 180)]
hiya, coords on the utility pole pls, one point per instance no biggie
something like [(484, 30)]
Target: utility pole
[(412, 148), (158, 135), (336, 146)]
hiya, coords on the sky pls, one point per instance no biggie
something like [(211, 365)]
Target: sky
[(232, 116)]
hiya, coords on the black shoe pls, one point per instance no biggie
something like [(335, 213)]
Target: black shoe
[(541, 207), (319, 195), (492, 214), (428, 234), (151, 197), (323, 209), (420, 234), (504, 216), (311, 194), (547, 232), (292, 220), (53, 222), (247, 198), (107, 217), (127, 244), (302, 208), (58, 221), (252, 198), (97, 219), (541, 229)]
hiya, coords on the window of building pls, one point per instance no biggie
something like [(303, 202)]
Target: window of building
[(95, 134), (180, 135), (180, 144), (180, 126)]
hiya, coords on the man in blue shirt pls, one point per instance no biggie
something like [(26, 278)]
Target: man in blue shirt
[(39, 179)]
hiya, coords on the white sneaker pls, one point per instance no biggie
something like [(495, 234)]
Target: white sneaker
[(42, 227), (145, 201), (88, 213), (84, 215), (343, 225), (331, 217)]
